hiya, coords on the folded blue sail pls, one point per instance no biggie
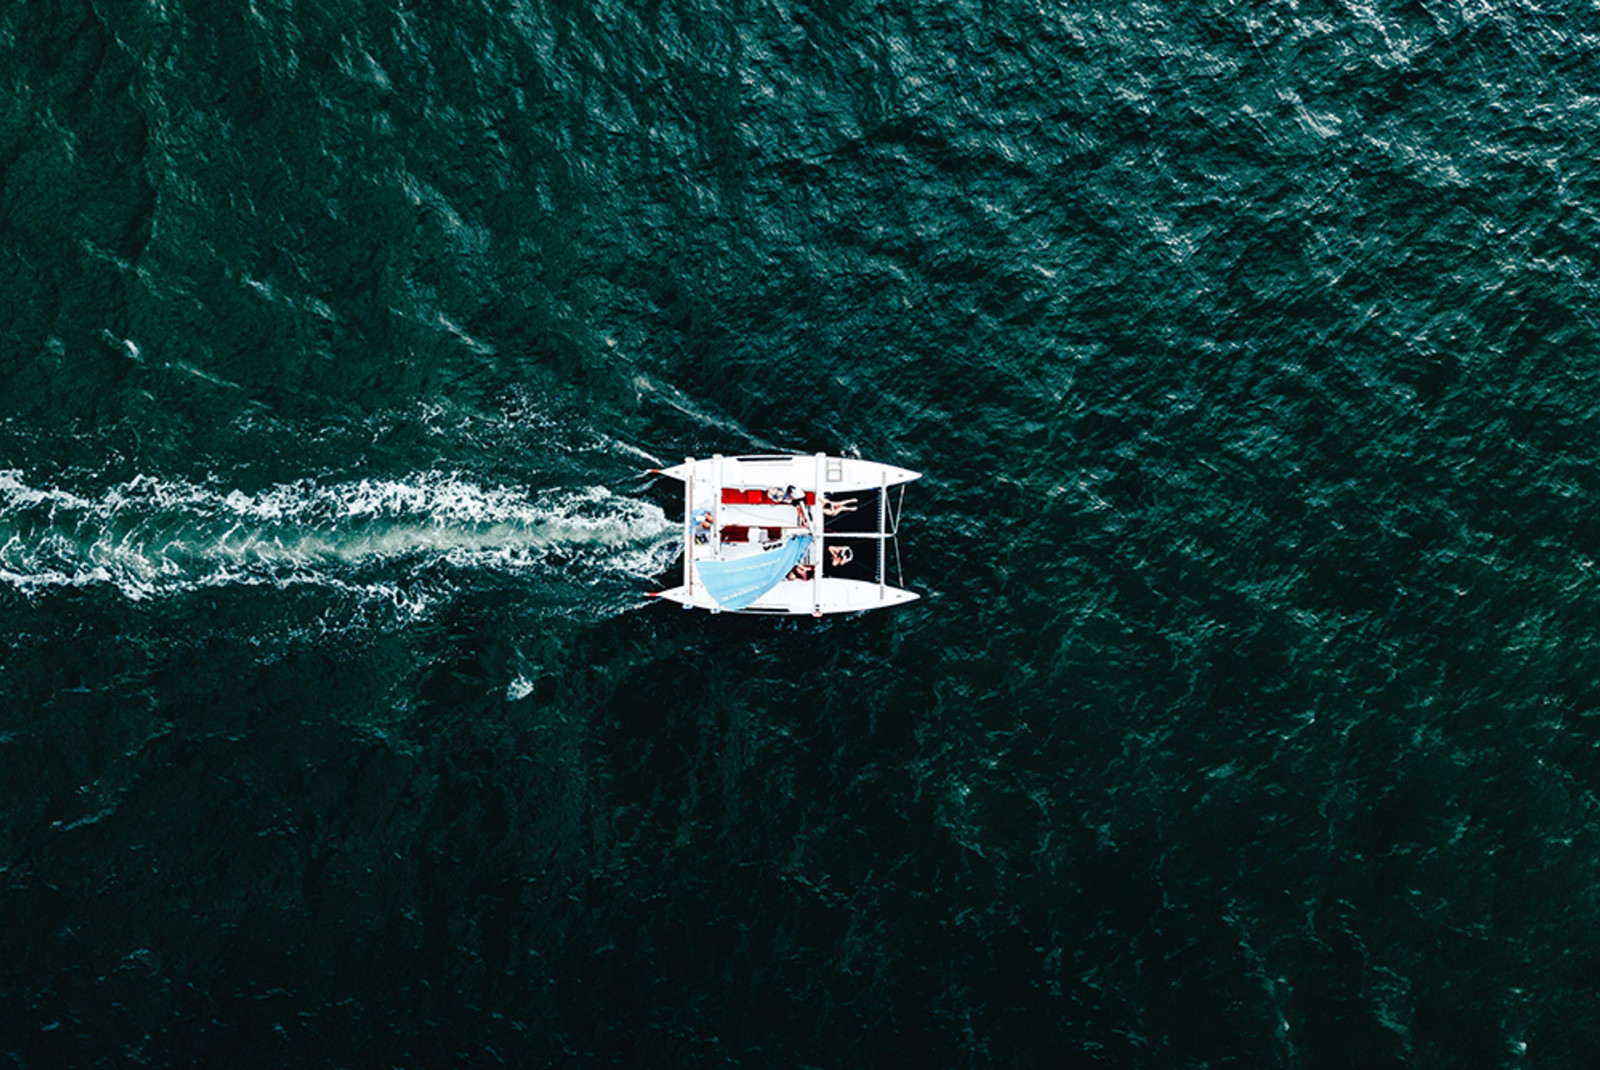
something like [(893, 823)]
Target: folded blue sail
[(737, 583)]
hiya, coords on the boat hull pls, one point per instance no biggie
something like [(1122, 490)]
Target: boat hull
[(796, 599), (833, 475), (747, 521)]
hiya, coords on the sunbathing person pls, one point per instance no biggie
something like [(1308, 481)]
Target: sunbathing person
[(841, 555), (832, 508)]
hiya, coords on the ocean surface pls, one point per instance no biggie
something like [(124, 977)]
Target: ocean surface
[(1250, 716)]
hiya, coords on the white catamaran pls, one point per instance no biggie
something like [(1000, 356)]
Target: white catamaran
[(783, 533)]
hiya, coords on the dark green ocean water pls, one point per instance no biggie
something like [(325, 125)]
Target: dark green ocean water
[(1250, 716)]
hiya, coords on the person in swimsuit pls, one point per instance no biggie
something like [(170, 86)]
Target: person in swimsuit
[(802, 572), (702, 525), (841, 555), (831, 508), (790, 495)]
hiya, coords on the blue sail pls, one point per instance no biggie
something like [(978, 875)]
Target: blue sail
[(737, 583)]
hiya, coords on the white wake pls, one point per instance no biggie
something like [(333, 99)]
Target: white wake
[(150, 537)]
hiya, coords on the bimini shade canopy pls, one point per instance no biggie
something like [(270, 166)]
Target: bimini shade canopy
[(737, 583)]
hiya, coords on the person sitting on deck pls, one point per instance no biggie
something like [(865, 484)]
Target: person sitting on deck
[(802, 572), (841, 555), (702, 525)]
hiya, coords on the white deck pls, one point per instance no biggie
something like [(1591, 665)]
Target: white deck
[(827, 478)]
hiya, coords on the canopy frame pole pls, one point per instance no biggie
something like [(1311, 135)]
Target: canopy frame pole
[(817, 521), (715, 537), (716, 502)]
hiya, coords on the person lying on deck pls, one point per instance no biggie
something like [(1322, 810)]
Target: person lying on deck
[(831, 508), (802, 572), (790, 495), (841, 555)]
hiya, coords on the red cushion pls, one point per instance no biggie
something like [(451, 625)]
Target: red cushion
[(740, 496)]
